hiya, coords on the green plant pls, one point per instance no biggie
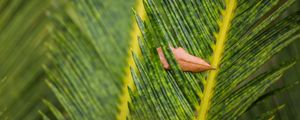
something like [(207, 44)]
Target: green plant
[(249, 33), (22, 35), (90, 55)]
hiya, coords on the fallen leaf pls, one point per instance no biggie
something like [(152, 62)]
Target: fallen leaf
[(186, 61)]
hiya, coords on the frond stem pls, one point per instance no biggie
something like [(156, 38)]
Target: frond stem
[(221, 38)]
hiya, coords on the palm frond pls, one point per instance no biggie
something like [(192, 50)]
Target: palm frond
[(270, 114), (274, 93), (22, 36), (237, 37), (89, 52)]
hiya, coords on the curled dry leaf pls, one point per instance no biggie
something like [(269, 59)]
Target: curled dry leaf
[(186, 61)]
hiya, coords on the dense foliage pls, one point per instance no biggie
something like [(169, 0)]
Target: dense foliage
[(72, 59)]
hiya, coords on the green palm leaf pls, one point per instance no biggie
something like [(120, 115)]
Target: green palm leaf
[(22, 36), (89, 52), (89, 58), (237, 37)]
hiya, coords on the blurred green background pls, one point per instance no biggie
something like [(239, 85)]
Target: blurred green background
[(291, 97)]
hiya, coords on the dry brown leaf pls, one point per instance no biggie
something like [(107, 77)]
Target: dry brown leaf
[(186, 61)]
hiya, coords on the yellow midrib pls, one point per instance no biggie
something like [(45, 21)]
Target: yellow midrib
[(128, 82), (221, 38)]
